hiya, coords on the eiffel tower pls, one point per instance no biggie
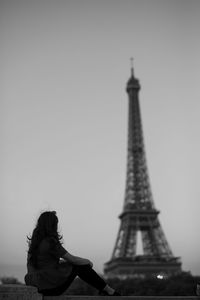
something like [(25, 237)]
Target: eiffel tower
[(139, 216)]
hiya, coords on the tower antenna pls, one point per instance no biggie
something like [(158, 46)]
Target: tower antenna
[(131, 61)]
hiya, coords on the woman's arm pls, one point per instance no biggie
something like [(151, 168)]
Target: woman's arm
[(75, 260)]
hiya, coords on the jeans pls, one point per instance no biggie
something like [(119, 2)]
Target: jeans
[(85, 272)]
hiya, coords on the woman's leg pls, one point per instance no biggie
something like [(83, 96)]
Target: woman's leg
[(87, 274), (57, 291)]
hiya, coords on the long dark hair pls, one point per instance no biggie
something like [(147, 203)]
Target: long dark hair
[(46, 227)]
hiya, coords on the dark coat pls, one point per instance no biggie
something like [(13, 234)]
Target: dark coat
[(50, 271)]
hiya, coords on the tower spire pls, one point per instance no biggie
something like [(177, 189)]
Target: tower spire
[(132, 70), (133, 83)]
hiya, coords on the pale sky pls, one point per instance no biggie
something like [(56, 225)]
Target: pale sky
[(64, 69)]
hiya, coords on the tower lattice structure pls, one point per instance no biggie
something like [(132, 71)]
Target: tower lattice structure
[(139, 214)]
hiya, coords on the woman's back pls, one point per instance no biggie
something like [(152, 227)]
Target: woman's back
[(48, 272), (48, 253)]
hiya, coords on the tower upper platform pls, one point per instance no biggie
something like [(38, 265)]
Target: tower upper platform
[(133, 83)]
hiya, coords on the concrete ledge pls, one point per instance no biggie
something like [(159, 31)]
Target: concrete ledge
[(68, 297), (18, 292), (23, 292)]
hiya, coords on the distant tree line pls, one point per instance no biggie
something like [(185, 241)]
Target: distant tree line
[(9, 280)]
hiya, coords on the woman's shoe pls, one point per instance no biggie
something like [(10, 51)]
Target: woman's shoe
[(104, 293), (116, 294)]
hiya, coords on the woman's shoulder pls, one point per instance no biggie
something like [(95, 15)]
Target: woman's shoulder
[(52, 245), (48, 242)]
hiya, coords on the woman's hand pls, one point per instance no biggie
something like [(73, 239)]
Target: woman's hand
[(77, 260), (87, 262), (84, 261)]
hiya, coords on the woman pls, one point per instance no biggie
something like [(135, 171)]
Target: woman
[(51, 268)]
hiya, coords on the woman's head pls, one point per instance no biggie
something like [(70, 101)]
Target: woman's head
[(47, 223)]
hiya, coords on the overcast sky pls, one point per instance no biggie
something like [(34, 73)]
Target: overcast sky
[(64, 69)]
